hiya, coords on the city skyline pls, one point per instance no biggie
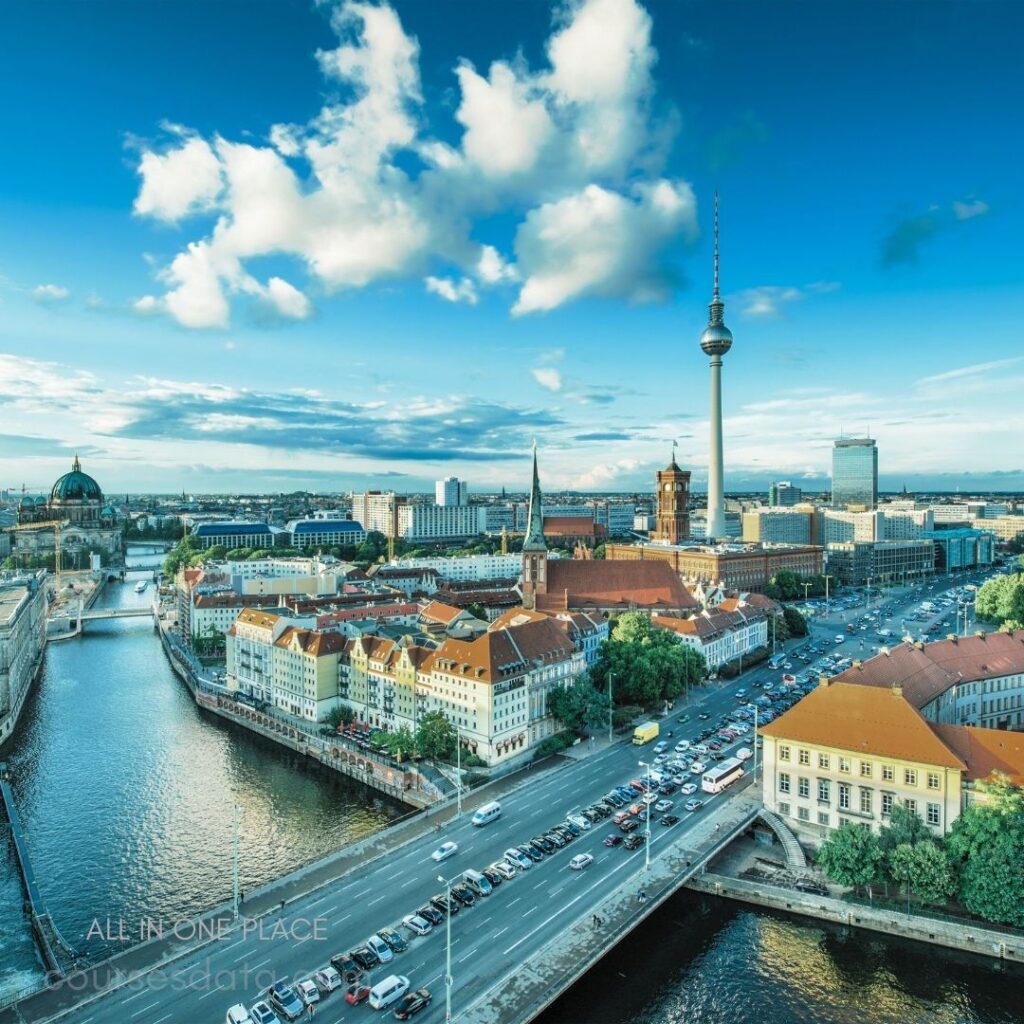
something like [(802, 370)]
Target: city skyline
[(547, 280)]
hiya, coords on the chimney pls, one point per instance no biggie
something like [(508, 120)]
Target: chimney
[(980, 634), (823, 681), (897, 690), (857, 663), (952, 636), (919, 646)]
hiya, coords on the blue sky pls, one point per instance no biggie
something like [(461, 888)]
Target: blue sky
[(272, 245)]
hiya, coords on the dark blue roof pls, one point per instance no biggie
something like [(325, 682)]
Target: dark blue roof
[(327, 526), (230, 529)]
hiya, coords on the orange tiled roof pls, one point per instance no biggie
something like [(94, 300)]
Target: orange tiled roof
[(435, 611), (504, 653), (610, 583), (925, 673), (985, 750), (255, 617), (312, 641), (568, 526), (864, 720)]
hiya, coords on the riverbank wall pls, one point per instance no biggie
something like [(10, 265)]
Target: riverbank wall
[(951, 934), (403, 783)]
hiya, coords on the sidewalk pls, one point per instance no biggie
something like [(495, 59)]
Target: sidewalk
[(146, 957)]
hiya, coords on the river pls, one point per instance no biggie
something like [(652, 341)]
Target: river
[(126, 790)]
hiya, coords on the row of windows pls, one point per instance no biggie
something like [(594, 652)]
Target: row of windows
[(865, 802), (933, 780)]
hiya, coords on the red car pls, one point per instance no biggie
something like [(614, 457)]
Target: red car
[(355, 994), (714, 746), (637, 784)]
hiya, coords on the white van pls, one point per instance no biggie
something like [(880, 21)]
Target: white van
[(388, 991), (488, 813), (478, 882)]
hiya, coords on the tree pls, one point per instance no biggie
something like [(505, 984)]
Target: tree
[(436, 737), (778, 628), (852, 856), (1001, 600), (905, 826), (217, 552), (986, 848), (400, 744), (903, 866), (477, 610), (933, 878), (579, 706), (795, 622), (340, 715), (647, 665)]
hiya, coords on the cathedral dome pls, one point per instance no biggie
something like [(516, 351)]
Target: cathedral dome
[(76, 486)]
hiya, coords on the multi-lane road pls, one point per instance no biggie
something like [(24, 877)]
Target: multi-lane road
[(488, 940)]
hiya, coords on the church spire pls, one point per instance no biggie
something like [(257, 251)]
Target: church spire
[(534, 540), (76, 466)]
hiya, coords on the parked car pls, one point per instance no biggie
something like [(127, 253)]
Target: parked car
[(533, 851), (376, 945), (493, 877), (365, 957), (327, 980), (464, 895), (431, 914), (238, 1014), (581, 861), (345, 965), (444, 851), (261, 1013), (395, 941), (697, 768), (284, 1001), (442, 903), (417, 924), (504, 868), (308, 992)]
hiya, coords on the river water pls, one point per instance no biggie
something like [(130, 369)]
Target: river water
[(127, 789)]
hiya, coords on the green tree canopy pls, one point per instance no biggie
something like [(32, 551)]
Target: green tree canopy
[(401, 744), (647, 665), (904, 827), (1001, 600), (986, 847), (436, 737), (852, 856), (579, 706), (795, 622)]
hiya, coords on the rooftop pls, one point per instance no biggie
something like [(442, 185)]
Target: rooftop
[(610, 583)]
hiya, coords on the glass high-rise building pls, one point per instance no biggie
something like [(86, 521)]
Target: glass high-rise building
[(854, 472)]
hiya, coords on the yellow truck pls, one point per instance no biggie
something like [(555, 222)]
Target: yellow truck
[(645, 733)]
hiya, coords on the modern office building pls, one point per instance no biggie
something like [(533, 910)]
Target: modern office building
[(856, 562), (451, 491), (783, 494), (779, 525), (854, 473), (962, 548), (325, 533), (238, 535)]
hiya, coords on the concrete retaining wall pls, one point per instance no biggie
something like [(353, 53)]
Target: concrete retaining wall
[(953, 935)]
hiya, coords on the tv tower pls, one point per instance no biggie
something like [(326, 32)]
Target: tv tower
[(716, 341)]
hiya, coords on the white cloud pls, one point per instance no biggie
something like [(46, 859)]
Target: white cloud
[(547, 377), (599, 476), (571, 142), (461, 291), (491, 268), (179, 181), (148, 305), (766, 301), (971, 208), (506, 130), (601, 243), (50, 293), (287, 299)]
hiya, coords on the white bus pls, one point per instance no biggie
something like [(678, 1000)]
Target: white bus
[(725, 774)]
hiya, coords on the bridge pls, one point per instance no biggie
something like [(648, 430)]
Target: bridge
[(95, 614), (58, 957)]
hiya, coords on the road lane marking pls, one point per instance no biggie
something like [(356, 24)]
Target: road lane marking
[(377, 900), (145, 1008), (331, 910), (405, 885), (135, 995), (159, 1020), (468, 955), (516, 900), (503, 930), (363, 893)]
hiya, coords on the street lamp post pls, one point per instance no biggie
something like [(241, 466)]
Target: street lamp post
[(458, 773), (828, 606), (610, 708), (448, 954), (647, 836), (756, 710), (234, 861)]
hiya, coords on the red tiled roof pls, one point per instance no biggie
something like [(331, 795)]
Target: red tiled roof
[(608, 583), (438, 612), (568, 526), (926, 672), (311, 641), (985, 751)]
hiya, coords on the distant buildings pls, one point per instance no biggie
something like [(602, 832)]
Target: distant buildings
[(783, 494), (854, 473), (721, 636), (466, 567), (395, 516), (325, 533), (856, 563), (236, 535), (779, 525), (22, 639), (451, 491)]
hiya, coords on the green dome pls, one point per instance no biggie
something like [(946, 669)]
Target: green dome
[(76, 486)]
